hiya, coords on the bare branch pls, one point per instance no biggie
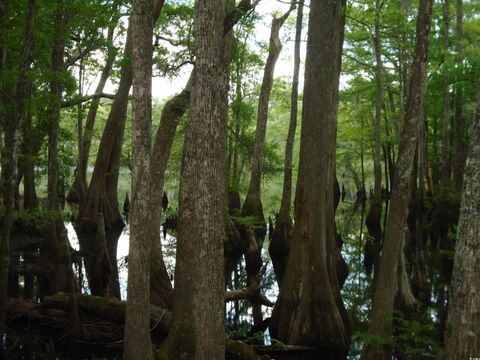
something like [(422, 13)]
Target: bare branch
[(251, 292)]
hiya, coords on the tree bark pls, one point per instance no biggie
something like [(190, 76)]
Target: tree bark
[(174, 109), (101, 196), (386, 288), (446, 99), (282, 233), (463, 335), (79, 187), (55, 251), (304, 313), (460, 143), (198, 311), (137, 321), (253, 201), (374, 216)]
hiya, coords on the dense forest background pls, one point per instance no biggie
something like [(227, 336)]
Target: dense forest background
[(301, 181)]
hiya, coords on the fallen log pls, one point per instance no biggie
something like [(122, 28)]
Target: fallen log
[(46, 327)]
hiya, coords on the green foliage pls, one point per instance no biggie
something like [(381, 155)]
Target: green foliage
[(174, 42), (415, 338)]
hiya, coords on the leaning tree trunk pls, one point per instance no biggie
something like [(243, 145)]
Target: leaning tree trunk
[(374, 216), (306, 314), (463, 336), (173, 111), (137, 320), (253, 201), (198, 311), (101, 195), (79, 187), (282, 233), (386, 285)]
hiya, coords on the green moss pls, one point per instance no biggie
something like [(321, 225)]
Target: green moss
[(237, 350), (180, 344)]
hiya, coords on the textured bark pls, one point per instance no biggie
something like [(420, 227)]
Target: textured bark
[(446, 166), (386, 286), (374, 216), (26, 165), (378, 106), (460, 143), (198, 312), (137, 320), (253, 201), (101, 195), (174, 109), (55, 251), (282, 233), (306, 314), (463, 334)]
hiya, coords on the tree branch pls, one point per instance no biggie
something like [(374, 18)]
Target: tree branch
[(241, 9), (82, 99), (251, 292)]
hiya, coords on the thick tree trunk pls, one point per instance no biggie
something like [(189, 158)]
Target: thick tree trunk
[(173, 111), (101, 195), (198, 311), (446, 166), (306, 314), (386, 288), (463, 334), (137, 320), (460, 143), (26, 165), (55, 252), (282, 233)]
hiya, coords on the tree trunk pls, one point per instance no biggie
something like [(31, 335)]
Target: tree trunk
[(446, 99), (374, 216), (304, 313), (460, 143), (101, 195), (174, 109), (55, 252), (137, 320), (253, 201), (462, 336), (282, 233), (26, 164), (198, 311), (79, 187), (386, 288)]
